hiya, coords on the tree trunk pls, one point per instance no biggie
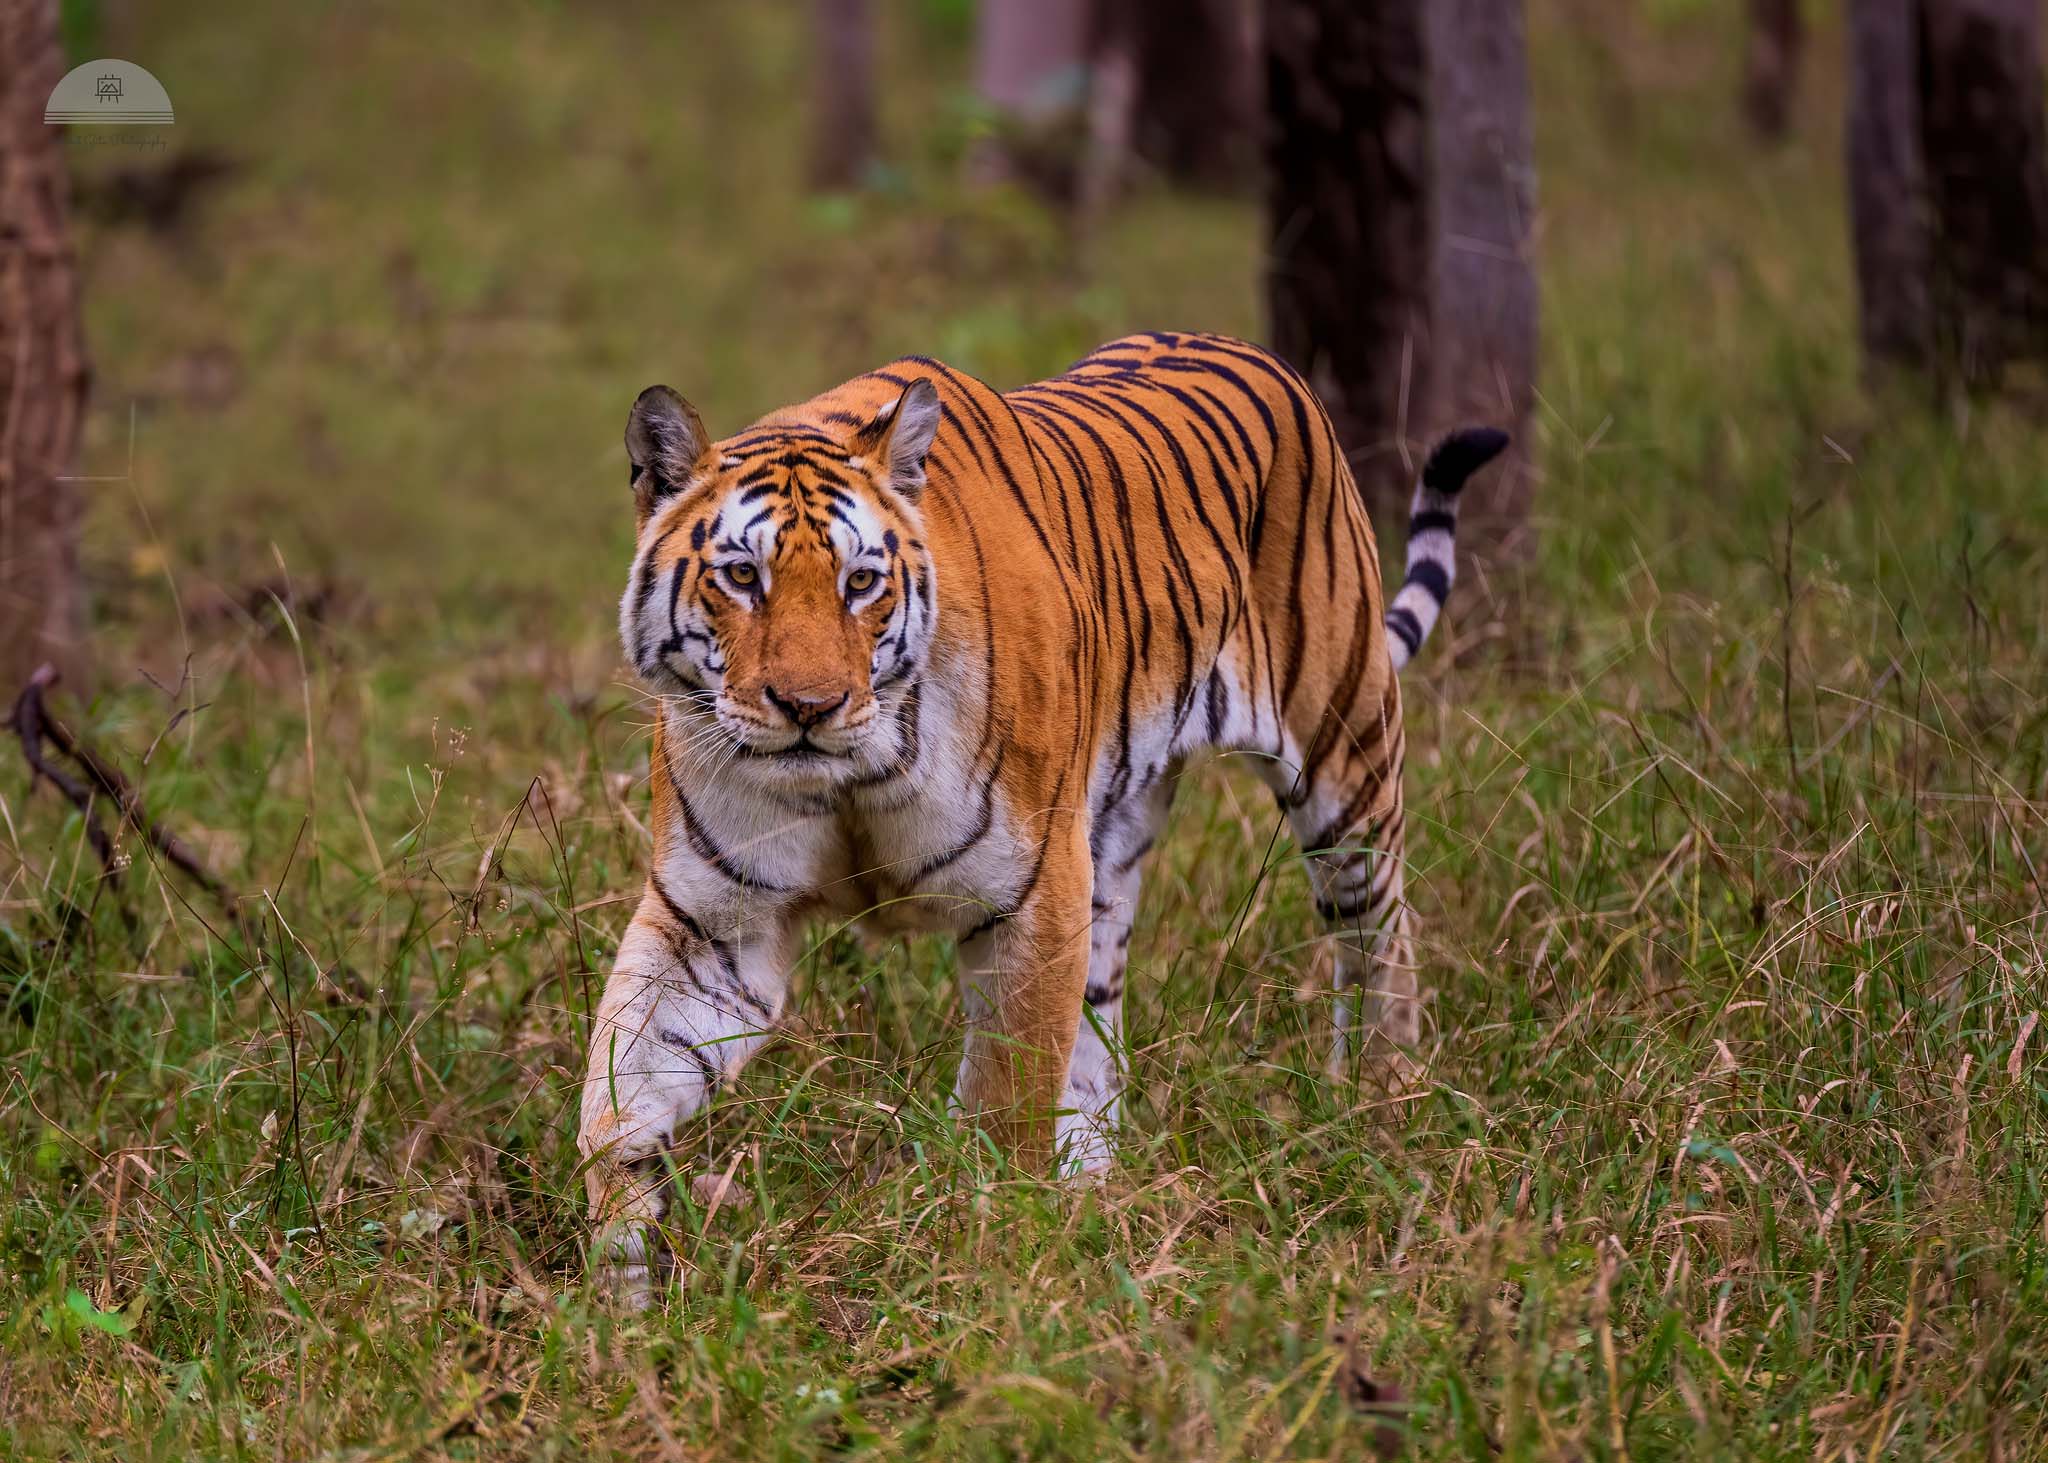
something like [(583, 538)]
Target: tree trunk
[(1483, 343), (1173, 84), (1198, 89), (1113, 81), (843, 140), (1888, 185), (1031, 68), (1777, 40), (1348, 259), (1948, 184), (1982, 130), (43, 376)]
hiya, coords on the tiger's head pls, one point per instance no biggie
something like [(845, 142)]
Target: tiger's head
[(780, 586)]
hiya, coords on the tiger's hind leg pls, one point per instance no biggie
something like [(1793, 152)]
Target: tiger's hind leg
[(1348, 818), (1361, 893)]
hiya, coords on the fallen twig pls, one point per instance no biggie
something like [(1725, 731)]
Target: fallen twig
[(37, 729)]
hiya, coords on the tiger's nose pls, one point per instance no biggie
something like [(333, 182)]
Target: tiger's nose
[(805, 710)]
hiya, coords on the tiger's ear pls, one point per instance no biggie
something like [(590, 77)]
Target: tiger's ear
[(665, 439), (901, 434)]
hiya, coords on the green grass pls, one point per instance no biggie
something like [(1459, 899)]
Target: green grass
[(1730, 1148)]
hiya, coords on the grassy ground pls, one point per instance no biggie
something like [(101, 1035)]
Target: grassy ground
[(1733, 1144)]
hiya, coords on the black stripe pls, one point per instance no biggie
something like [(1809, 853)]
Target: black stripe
[(722, 949), (701, 841), (1432, 575), (646, 578), (1403, 625), (676, 1041), (982, 823)]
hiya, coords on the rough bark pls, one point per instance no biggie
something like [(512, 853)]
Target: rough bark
[(1770, 82), (1484, 336), (1348, 259), (1982, 131), (43, 376), (843, 122), (1888, 185)]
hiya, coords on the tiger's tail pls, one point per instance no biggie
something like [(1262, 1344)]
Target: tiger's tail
[(1433, 537)]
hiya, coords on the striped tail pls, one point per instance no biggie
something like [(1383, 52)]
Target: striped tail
[(1433, 537)]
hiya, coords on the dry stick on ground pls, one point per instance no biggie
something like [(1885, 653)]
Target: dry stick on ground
[(33, 724)]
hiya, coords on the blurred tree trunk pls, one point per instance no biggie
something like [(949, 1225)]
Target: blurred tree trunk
[(1770, 83), (1982, 127), (1198, 89), (843, 139), (1948, 184), (43, 375), (1031, 68), (1173, 84), (1112, 109), (1348, 256), (1888, 185), (1484, 334)]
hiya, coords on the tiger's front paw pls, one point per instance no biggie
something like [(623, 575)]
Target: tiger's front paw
[(622, 1255), (626, 1204), (1086, 1146)]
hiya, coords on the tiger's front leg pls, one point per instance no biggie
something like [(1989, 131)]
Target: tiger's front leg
[(685, 1007), (1022, 986)]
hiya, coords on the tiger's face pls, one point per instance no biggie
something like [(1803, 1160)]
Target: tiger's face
[(780, 588)]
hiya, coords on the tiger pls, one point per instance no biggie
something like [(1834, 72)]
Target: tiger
[(931, 657)]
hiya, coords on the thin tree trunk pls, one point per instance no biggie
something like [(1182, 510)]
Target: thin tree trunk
[(1031, 68), (1982, 131), (1777, 41), (1484, 340), (43, 375), (1030, 55), (1348, 255), (1888, 186), (843, 139), (1112, 109)]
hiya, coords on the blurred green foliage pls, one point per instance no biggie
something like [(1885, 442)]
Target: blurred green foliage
[(78, 22)]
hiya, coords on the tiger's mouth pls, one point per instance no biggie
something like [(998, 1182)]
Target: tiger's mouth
[(799, 750), (714, 737)]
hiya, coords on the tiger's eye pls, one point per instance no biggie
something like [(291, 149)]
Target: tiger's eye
[(742, 574), (860, 581)]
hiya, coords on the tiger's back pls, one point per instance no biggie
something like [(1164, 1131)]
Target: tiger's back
[(1236, 574)]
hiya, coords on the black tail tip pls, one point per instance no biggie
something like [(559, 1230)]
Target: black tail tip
[(1460, 455)]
